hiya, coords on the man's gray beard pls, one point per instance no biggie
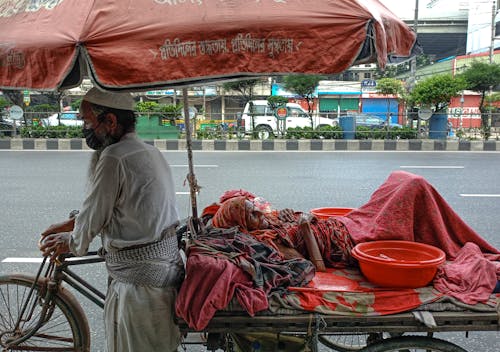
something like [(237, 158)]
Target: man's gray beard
[(92, 165), (108, 140)]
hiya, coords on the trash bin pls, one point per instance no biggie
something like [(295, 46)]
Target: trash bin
[(438, 126), (348, 125)]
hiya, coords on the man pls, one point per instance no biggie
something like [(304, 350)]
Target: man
[(131, 204)]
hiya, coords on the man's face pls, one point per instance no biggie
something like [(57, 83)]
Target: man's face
[(90, 120), (255, 219), (100, 128)]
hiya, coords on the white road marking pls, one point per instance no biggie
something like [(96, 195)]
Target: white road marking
[(22, 260), (430, 167), (29, 260), (195, 166), (480, 195)]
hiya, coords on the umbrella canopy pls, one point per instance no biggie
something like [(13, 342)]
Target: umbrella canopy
[(143, 44)]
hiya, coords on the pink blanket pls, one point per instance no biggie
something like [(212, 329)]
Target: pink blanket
[(456, 278), (407, 207), (210, 285)]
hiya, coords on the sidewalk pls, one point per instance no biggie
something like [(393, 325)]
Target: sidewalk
[(271, 145)]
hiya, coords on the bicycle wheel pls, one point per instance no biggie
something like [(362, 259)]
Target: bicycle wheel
[(346, 342), (412, 344), (66, 329)]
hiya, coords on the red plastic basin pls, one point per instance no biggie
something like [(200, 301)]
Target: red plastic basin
[(399, 264), (325, 213)]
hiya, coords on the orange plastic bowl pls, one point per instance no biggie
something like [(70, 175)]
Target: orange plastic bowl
[(325, 213), (398, 264)]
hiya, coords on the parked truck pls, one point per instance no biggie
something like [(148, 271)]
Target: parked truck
[(266, 123)]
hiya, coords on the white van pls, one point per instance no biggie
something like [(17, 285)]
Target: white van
[(266, 123)]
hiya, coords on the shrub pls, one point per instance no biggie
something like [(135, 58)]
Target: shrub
[(51, 132)]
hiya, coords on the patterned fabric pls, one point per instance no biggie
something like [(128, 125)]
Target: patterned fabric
[(158, 264), (265, 266), (332, 236)]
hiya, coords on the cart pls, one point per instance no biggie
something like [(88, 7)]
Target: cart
[(39, 313)]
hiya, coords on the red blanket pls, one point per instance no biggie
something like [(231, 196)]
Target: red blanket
[(469, 278), (209, 286), (406, 207)]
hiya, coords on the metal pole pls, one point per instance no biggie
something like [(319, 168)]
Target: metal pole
[(461, 109), (193, 185), (413, 62), (492, 53)]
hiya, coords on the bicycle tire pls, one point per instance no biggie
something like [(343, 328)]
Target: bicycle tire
[(66, 330), (348, 342), (412, 344)]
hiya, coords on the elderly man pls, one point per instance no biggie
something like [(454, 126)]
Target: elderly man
[(131, 204)]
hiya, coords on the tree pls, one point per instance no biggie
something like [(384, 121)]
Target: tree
[(275, 101), (437, 91), (390, 86), (245, 88), (479, 77), (303, 85)]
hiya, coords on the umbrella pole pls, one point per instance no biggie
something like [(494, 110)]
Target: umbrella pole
[(193, 185)]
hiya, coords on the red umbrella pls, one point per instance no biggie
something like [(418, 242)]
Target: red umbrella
[(142, 44)]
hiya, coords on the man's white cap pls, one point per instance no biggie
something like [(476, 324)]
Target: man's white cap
[(122, 101)]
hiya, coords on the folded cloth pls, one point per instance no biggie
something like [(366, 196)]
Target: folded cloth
[(210, 285), (471, 277)]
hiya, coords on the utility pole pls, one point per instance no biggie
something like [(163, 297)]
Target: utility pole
[(413, 62), (492, 53)]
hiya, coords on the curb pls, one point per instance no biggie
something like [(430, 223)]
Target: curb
[(270, 145)]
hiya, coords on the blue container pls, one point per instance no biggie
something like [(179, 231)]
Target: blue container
[(438, 126), (348, 125)]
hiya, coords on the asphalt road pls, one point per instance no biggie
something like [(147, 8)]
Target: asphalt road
[(39, 188)]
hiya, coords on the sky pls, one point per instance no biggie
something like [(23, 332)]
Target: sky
[(405, 9)]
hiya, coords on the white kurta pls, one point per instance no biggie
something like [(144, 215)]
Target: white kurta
[(131, 201)]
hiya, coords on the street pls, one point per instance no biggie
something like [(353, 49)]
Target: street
[(39, 188)]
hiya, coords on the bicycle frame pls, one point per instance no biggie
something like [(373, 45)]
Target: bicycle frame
[(56, 272)]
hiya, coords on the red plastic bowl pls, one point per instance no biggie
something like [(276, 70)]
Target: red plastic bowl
[(398, 264), (325, 213)]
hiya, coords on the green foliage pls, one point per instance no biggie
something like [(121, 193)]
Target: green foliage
[(437, 91), (323, 132), (275, 101), (364, 132), (147, 106), (51, 132), (165, 113), (3, 103), (329, 132), (390, 86), (481, 75), (244, 87), (303, 85), (171, 111), (75, 106), (300, 133)]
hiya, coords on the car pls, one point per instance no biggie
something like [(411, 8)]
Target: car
[(266, 124), (6, 128), (66, 118), (371, 121)]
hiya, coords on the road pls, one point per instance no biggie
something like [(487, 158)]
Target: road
[(39, 188)]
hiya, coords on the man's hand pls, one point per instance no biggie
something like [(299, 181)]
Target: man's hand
[(64, 226), (287, 215), (54, 244)]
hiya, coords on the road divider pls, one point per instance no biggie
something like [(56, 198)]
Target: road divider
[(271, 145)]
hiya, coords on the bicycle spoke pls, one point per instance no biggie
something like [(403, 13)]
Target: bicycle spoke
[(55, 334)]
